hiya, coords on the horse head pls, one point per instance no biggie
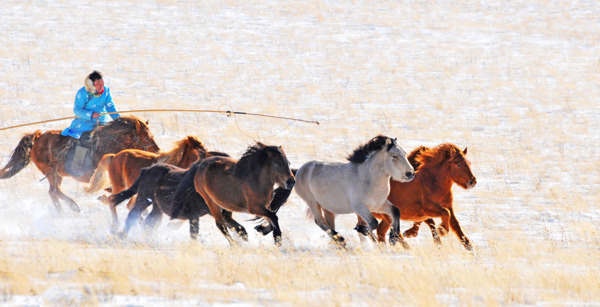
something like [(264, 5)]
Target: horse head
[(280, 167), (126, 132), (401, 169), (460, 168)]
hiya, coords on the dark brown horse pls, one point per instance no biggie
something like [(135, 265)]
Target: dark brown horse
[(156, 186), (49, 152), (429, 195), (245, 185), (123, 168)]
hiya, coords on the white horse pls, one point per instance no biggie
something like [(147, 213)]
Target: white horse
[(360, 186)]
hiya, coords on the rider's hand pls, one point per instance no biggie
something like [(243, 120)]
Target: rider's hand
[(95, 115)]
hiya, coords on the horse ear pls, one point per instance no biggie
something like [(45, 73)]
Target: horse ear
[(465, 151), (388, 141), (147, 122)]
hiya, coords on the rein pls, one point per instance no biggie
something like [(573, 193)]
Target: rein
[(228, 113)]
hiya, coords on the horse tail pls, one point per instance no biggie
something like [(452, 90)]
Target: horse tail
[(116, 199), (412, 157), (21, 155), (99, 179), (184, 188)]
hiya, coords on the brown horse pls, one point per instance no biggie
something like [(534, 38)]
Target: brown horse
[(245, 185), (123, 168), (49, 152), (429, 195)]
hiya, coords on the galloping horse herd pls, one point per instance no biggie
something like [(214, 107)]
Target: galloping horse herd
[(379, 181)]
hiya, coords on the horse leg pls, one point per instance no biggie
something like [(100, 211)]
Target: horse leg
[(395, 236), (260, 210), (413, 231), (456, 227), (315, 209), (194, 227), (53, 187), (215, 211), (134, 215), (436, 236), (227, 216), (435, 210), (364, 212), (114, 228), (154, 218), (55, 181)]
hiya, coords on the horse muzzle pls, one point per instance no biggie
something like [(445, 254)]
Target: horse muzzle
[(472, 182), (289, 184)]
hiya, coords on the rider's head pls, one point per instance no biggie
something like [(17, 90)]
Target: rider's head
[(94, 84)]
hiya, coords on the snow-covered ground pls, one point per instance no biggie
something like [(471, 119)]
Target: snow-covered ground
[(518, 83)]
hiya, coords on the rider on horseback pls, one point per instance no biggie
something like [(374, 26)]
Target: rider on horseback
[(91, 100)]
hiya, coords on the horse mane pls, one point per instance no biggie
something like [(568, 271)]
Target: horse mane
[(252, 160), (438, 154), (175, 155), (363, 152), (412, 157), (121, 125)]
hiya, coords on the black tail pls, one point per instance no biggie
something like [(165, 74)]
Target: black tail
[(21, 155), (184, 188), (116, 199)]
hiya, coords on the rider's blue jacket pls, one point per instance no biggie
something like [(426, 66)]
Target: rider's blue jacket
[(85, 105)]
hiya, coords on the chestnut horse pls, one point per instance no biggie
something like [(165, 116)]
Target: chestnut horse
[(124, 167), (245, 185), (49, 152), (429, 195)]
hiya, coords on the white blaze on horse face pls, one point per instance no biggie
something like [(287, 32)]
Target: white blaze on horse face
[(400, 166)]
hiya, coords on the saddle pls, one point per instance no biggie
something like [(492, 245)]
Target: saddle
[(78, 160)]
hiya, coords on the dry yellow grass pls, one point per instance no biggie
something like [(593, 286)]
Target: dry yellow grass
[(505, 272)]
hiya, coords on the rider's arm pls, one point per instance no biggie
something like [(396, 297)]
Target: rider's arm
[(80, 100), (110, 105)]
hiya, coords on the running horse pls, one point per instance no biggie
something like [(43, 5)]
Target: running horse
[(48, 151), (429, 195), (244, 185), (156, 186), (124, 168), (360, 186)]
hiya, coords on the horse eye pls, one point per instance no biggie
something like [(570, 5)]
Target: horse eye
[(395, 157), (459, 165)]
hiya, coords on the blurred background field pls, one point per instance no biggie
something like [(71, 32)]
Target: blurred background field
[(518, 83)]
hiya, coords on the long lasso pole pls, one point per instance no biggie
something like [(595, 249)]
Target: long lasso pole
[(229, 113)]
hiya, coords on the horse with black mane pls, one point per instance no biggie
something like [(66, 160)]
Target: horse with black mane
[(156, 186), (360, 186), (244, 185), (51, 152)]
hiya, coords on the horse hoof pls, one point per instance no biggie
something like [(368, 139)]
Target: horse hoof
[(263, 230), (410, 234), (75, 208), (277, 241), (393, 238), (103, 199), (442, 231), (363, 230), (243, 234)]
